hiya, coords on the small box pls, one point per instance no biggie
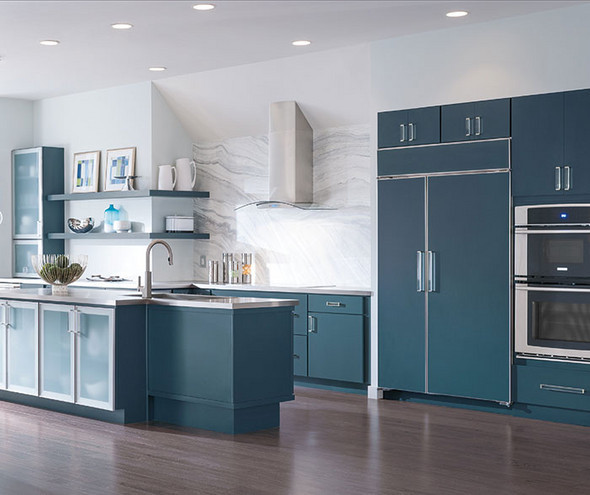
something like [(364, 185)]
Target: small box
[(177, 223)]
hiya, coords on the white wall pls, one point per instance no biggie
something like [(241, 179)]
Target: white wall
[(16, 131)]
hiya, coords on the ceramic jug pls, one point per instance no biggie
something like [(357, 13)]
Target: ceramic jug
[(166, 177), (187, 174)]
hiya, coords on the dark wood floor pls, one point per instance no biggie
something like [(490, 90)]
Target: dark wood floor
[(328, 443)]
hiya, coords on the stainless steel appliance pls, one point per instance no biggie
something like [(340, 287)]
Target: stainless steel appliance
[(552, 281)]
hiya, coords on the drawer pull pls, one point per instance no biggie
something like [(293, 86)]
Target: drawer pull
[(561, 388), (295, 315), (334, 304), (296, 356)]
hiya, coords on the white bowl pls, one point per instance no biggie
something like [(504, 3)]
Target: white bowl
[(122, 225)]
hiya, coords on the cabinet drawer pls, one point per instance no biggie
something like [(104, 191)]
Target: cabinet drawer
[(300, 355), (556, 387), (321, 303)]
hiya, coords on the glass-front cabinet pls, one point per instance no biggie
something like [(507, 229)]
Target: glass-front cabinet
[(36, 173), (77, 355), (20, 324)]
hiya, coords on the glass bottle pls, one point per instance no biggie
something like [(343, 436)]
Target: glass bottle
[(110, 215)]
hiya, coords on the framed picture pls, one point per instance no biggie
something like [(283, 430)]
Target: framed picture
[(86, 166), (119, 163)]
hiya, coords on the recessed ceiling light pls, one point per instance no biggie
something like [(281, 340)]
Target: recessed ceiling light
[(121, 25), (157, 69), (49, 42), (204, 6), (457, 13), (301, 43)]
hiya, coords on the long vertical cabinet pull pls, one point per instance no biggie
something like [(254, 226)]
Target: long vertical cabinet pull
[(478, 128), (467, 126), (402, 133), (419, 271), (431, 272), (558, 178), (311, 326), (412, 131), (567, 178)]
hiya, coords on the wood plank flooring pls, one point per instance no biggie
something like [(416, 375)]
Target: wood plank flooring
[(328, 443)]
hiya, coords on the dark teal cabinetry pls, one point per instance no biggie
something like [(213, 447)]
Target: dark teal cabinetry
[(444, 284), (550, 147), (475, 120), (408, 127), (221, 370), (300, 355)]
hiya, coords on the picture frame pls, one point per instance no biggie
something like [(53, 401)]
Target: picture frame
[(119, 162), (85, 171)]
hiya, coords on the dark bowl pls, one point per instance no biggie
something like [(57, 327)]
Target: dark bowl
[(80, 226)]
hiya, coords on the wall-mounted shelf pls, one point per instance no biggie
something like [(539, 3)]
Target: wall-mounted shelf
[(128, 235), (144, 193)]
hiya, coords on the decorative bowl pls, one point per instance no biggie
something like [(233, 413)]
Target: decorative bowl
[(59, 270), (81, 226)]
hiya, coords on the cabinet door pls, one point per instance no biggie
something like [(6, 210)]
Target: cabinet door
[(479, 120), (577, 144), (424, 125), (469, 309), (300, 355), (401, 308), (3, 322), (95, 357), (392, 129), (26, 183), (22, 259), (336, 347), (22, 347), (537, 144), (56, 352)]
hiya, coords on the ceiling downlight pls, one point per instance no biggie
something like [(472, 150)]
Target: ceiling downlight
[(203, 6), (457, 13), (49, 42), (301, 43), (121, 25), (157, 69)]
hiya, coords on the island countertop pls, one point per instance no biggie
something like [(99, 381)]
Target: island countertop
[(126, 298)]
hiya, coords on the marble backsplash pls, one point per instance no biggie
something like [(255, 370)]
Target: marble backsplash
[(290, 246)]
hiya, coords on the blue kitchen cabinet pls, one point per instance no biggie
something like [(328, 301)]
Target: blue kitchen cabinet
[(223, 370), (469, 306), (36, 173), (408, 127), (444, 282), (475, 120), (550, 147), (300, 355)]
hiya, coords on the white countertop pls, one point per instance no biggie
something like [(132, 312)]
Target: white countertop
[(126, 298), (188, 284)]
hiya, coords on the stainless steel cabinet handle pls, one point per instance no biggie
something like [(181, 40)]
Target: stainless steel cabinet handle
[(296, 356), (478, 128), (558, 178), (295, 315), (567, 178), (431, 272), (311, 327), (39, 228), (467, 126), (402, 133), (419, 271), (412, 128), (561, 388), (334, 304)]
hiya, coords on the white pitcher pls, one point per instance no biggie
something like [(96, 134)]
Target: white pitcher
[(187, 174), (166, 177)]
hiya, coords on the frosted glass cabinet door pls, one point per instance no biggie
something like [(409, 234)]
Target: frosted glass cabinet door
[(95, 358), (26, 192), (23, 250), (56, 348), (3, 322), (22, 347)]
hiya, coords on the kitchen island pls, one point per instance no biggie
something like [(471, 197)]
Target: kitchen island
[(219, 363)]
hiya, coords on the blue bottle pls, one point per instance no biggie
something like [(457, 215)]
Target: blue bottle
[(110, 215)]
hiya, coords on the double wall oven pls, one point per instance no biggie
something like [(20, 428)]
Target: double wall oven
[(552, 281)]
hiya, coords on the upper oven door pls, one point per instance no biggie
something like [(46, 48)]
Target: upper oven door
[(552, 255)]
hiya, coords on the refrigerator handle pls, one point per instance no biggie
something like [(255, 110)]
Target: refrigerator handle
[(420, 271), (431, 271)]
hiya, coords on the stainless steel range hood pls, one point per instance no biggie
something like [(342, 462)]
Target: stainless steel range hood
[(290, 174)]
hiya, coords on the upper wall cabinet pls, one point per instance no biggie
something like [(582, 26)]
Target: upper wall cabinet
[(408, 127), (550, 145), (476, 120)]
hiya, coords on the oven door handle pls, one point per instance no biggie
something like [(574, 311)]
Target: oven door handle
[(524, 287), (549, 231)]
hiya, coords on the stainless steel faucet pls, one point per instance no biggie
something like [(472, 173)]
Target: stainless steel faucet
[(146, 290)]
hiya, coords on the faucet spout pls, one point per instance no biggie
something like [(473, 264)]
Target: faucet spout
[(146, 290)]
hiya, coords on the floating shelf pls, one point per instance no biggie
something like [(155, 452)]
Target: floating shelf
[(144, 193), (128, 235)]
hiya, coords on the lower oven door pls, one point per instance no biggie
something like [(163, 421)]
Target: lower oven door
[(552, 322)]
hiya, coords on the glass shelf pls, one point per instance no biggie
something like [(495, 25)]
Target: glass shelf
[(128, 235), (144, 193)]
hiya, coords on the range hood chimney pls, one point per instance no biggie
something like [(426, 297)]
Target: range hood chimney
[(290, 174)]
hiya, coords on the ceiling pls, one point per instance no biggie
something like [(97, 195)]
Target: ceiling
[(92, 55)]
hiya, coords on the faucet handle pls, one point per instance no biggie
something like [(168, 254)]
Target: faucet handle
[(139, 286)]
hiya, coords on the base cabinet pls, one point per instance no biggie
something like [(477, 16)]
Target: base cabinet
[(77, 354)]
